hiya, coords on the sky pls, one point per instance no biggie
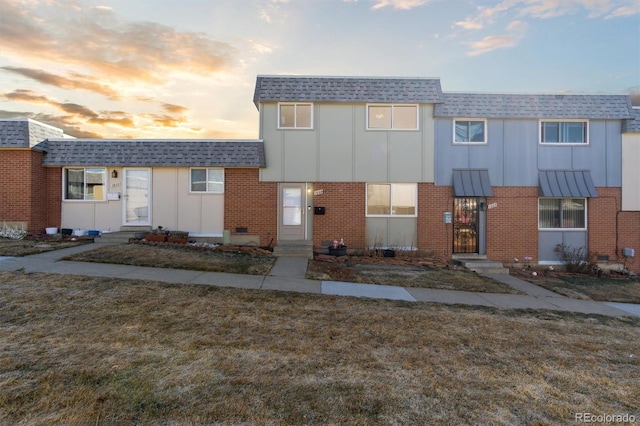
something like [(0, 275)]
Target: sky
[(172, 69)]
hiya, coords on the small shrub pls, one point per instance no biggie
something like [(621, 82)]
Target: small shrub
[(12, 233), (575, 259)]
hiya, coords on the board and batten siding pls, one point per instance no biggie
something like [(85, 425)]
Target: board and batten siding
[(340, 149), (631, 172)]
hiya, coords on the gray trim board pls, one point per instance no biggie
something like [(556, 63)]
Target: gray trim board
[(471, 183), (566, 183)]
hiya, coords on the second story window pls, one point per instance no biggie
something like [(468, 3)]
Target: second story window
[(295, 116), (470, 131), (564, 132), (392, 117)]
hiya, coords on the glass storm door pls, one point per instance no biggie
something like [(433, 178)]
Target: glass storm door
[(465, 225), (292, 211), (137, 197)]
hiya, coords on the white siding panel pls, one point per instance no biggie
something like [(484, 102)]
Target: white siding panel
[(631, 172)]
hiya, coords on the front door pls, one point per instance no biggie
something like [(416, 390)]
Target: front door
[(292, 211), (465, 225), (137, 197)]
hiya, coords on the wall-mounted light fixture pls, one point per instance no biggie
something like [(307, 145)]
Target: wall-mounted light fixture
[(114, 174)]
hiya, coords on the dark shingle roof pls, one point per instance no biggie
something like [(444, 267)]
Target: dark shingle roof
[(25, 133), (346, 89), (148, 153), (534, 106), (633, 124)]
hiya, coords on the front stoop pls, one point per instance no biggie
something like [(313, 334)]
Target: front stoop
[(480, 264), (120, 237), (298, 248)]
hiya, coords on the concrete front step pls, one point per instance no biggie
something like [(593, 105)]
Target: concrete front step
[(116, 237), (301, 248), (483, 266)]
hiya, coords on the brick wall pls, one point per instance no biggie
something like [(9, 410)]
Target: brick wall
[(344, 214), (251, 204), (53, 196), (434, 235), (512, 225)]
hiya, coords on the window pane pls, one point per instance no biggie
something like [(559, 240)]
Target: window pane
[(405, 117), (74, 184), (287, 115), (462, 131), (548, 213), (403, 199), (303, 115), (550, 132), (476, 131), (95, 184), (380, 117), (378, 199), (573, 132), (198, 180), (573, 213), (215, 180), (292, 206)]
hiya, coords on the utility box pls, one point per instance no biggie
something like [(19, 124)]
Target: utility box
[(446, 217), (628, 252)]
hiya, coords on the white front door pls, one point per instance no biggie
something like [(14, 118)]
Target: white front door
[(137, 197), (292, 211)]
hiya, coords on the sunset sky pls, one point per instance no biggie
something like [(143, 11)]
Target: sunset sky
[(187, 69)]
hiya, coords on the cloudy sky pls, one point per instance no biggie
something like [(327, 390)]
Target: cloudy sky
[(187, 69)]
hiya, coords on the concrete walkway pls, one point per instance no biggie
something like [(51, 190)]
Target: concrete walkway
[(288, 274)]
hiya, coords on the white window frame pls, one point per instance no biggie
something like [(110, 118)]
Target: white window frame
[(207, 189), (84, 185), (391, 185), (586, 132), (462, 119), (393, 106), (560, 228), (295, 119)]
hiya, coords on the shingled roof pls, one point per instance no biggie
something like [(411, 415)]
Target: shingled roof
[(25, 133), (347, 89), (534, 106), (152, 152), (632, 125)]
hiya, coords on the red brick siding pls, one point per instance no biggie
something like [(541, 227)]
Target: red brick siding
[(433, 234), (251, 204), (53, 196), (344, 216), (512, 225), (24, 191)]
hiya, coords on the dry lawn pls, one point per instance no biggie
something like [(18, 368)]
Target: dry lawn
[(607, 288), (179, 256), (97, 351), (28, 246)]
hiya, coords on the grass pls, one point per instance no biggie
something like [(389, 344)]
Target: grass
[(29, 246), (583, 286), (178, 256), (87, 351)]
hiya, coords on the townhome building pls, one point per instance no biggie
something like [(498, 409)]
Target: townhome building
[(374, 162)]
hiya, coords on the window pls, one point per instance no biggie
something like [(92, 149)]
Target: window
[(295, 116), (86, 184), (391, 199), (470, 131), (207, 180), (555, 213), (564, 131), (392, 117)]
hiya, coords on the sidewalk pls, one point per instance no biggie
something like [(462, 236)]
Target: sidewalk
[(288, 275)]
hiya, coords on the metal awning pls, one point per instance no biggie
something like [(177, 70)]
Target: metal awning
[(566, 183), (471, 183)]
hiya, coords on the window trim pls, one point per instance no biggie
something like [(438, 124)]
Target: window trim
[(391, 215), (568, 120), (206, 191), (586, 223), (84, 187), (486, 136), (393, 106), (295, 112)]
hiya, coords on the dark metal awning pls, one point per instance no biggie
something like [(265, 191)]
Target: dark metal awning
[(566, 183), (471, 183)]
